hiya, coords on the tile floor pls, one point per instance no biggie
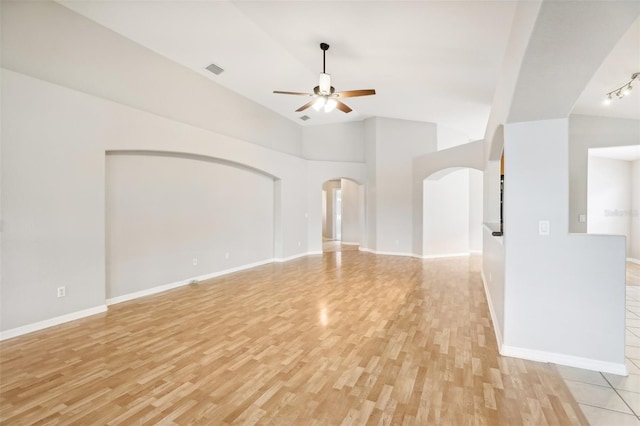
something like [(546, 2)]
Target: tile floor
[(607, 399)]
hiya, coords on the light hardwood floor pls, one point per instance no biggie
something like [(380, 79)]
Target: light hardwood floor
[(340, 338)]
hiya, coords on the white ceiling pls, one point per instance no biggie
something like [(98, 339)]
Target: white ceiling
[(434, 61)]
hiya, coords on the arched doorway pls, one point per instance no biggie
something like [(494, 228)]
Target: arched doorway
[(342, 215)]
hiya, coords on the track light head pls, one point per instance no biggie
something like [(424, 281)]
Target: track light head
[(622, 91)]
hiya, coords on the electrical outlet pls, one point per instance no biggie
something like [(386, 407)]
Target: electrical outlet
[(299, 243), (62, 291), (195, 261), (582, 218), (226, 255)]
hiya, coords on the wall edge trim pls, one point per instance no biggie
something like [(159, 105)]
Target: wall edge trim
[(492, 312), (51, 322), (562, 359)]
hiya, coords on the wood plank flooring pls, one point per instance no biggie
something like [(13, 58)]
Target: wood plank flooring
[(340, 338)]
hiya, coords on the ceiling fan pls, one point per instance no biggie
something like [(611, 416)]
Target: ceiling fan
[(324, 94)]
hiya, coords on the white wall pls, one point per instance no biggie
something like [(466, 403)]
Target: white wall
[(324, 213), (395, 144), (634, 250), (592, 132), (475, 210), (164, 211), (452, 212), (446, 213), (609, 197), (448, 137), (564, 294), (330, 188), (351, 226), (370, 240), (48, 41), (334, 142), (52, 203), (42, 122), (493, 266)]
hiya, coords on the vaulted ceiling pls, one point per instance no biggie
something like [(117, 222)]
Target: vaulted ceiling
[(435, 61)]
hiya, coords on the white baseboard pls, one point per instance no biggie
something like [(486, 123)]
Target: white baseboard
[(632, 260), (346, 243), (295, 256), (386, 253), (440, 256), (568, 360), (182, 283), (417, 256), (36, 326), (492, 312)]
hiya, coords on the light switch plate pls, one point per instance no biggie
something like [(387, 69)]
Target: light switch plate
[(582, 218), (543, 227)]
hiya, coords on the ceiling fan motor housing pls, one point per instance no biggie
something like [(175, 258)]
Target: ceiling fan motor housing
[(325, 83)]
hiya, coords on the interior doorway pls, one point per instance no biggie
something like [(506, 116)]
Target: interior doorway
[(342, 207), (613, 200)]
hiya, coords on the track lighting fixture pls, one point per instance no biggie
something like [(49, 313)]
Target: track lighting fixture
[(623, 90)]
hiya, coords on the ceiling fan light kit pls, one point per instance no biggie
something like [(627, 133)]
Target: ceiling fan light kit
[(324, 94)]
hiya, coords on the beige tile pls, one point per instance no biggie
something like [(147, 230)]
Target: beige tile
[(580, 375), (634, 330), (628, 383), (633, 323), (597, 396), (602, 417), (632, 352), (632, 399), (631, 367), (631, 339)]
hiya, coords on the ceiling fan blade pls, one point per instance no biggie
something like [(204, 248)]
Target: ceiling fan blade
[(354, 93), (343, 107), (305, 106), (292, 93)]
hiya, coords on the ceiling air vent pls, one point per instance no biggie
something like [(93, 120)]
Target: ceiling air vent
[(305, 118), (215, 69)]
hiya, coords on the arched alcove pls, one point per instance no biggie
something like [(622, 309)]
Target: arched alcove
[(172, 217)]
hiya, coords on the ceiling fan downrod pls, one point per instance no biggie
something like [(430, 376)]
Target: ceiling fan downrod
[(324, 47)]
